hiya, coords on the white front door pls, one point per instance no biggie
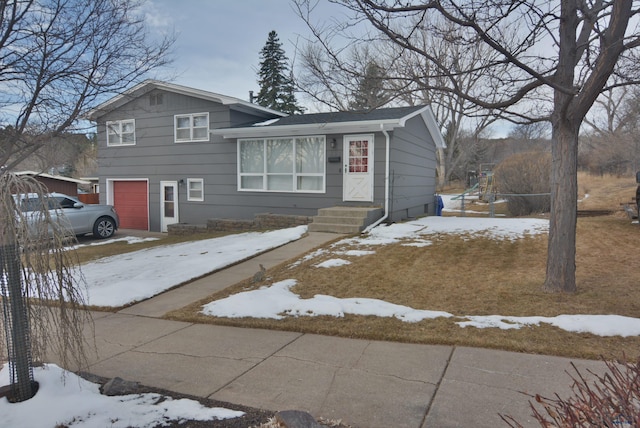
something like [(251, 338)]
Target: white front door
[(357, 181), (168, 203)]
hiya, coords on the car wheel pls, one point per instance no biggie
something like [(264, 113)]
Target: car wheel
[(104, 227)]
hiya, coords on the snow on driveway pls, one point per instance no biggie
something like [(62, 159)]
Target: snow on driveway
[(126, 278)]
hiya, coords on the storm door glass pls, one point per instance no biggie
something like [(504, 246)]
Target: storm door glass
[(169, 202)]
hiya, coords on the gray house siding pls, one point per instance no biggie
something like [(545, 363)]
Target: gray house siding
[(231, 203), (412, 171), (240, 118), (156, 157)]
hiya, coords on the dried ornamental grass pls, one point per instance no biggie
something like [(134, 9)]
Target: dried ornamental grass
[(51, 280), (612, 400)]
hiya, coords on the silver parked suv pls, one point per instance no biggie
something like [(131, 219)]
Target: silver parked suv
[(74, 216)]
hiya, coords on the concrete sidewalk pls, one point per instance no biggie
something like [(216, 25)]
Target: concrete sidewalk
[(364, 383)]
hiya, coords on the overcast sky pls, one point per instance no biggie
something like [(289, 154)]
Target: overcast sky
[(219, 41)]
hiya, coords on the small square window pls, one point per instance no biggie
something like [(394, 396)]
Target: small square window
[(121, 133), (192, 127), (195, 189)]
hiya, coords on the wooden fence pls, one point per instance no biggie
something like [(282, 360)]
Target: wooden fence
[(89, 198)]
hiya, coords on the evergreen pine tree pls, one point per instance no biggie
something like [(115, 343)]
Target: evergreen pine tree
[(371, 93), (275, 78)]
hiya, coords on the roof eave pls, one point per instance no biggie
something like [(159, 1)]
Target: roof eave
[(432, 125), (53, 177), (117, 100), (148, 85), (247, 107), (306, 129)]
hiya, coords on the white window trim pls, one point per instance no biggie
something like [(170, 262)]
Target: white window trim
[(120, 123), (195, 180), (294, 173), (190, 139)]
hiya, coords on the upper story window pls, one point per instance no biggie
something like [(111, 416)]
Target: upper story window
[(192, 127), (121, 133)]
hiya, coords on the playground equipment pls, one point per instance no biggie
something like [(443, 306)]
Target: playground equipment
[(483, 180), (486, 182)]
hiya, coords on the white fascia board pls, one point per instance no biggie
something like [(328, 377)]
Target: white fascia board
[(404, 119), (118, 100), (258, 131), (432, 125), (53, 177), (307, 129)]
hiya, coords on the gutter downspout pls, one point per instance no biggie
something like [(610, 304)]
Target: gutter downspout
[(386, 183)]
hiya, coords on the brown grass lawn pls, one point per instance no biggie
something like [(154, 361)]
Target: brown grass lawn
[(477, 276)]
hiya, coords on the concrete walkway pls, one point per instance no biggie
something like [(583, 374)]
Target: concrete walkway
[(365, 383)]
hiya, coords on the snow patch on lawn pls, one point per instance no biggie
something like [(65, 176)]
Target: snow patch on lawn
[(278, 302), (65, 399)]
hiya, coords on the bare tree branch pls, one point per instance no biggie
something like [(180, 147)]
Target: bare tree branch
[(550, 61), (58, 58)]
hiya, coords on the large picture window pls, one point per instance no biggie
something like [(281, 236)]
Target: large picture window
[(121, 133), (289, 164), (192, 127)]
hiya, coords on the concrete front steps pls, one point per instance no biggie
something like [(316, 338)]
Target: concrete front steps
[(344, 219)]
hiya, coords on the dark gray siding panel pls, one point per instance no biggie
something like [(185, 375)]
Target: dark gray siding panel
[(156, 157), (223, 200), (240, 118), (413, 171)]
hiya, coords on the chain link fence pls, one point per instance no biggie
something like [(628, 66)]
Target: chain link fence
[(16, 324), (518, 204)]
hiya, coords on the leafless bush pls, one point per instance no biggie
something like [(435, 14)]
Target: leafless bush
[(526, 174), (617, 155), (612, 400)]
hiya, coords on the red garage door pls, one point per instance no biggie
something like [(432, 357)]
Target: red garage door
[(131, 202)]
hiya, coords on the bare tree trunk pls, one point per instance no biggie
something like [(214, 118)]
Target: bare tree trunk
[(561, 256)]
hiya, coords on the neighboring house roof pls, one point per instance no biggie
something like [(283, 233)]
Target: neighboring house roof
[(53, 177), (385, 119), (148, 85)]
